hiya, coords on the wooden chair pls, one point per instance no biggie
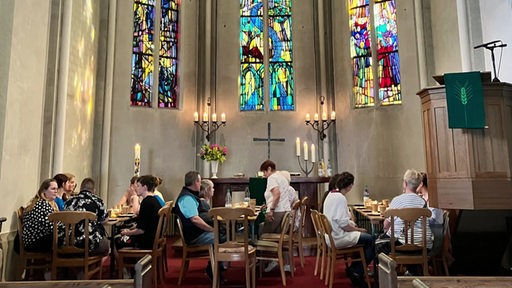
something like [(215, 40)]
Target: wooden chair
[(387, 271), (30, 261), (410, 252), (301, 240), (275, 250), (231, 250), (190, 252), (65, 251), (168, 224), (320, 243), (156, 252), (356, 253)]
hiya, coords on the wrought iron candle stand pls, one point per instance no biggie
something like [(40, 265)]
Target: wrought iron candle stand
[(210, 123), (305, 169), (321, 125)]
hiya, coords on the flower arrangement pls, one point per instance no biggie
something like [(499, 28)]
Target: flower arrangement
[(213, 152)]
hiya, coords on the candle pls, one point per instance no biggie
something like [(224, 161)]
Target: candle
[(214, 117), (196, 117), (308, 118), (205, 117), (333, 115), (297, 147), (305, 150), (137, 151), (315, 117), (223, 117), (313, 153), (324, 116)]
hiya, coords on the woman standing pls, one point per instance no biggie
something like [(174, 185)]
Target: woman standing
[(37, 228), (344, 231)]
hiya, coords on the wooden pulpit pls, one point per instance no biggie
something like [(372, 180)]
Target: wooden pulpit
[(469, 168)]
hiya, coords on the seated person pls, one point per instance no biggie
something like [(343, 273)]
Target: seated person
[(130, 197), (344, 231), (436, 220), (87, 200), (143, 234), (37, 228), (61, 180), (196, 231), (157, 193)]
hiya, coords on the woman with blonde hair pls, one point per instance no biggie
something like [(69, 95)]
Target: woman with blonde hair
[(37, 228)]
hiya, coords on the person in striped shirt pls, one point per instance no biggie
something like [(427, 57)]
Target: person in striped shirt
[(409, 199)]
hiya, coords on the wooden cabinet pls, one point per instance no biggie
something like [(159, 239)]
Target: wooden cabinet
[(469, 168)]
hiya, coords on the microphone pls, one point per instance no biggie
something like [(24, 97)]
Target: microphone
[(488, 43)]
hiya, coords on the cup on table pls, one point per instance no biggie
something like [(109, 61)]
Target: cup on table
[(252, 204), (375, 207), (382, 208), (125, 209), (385, 202)]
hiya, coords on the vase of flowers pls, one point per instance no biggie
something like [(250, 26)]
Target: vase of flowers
[(215, 154)]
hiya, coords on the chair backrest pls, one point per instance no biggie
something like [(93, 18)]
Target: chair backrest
[(180, 229), (304, 203), (70, 220), (327, 230), (19, 214), (315, 217), (296, 215), (163, 219), (143, 277), (409, 216), (2, 220), (230, 216)]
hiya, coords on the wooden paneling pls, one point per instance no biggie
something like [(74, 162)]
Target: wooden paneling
[(469, 168)]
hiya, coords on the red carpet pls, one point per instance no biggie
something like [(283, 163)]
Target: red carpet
[(235, 276)]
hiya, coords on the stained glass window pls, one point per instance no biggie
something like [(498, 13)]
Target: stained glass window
[(388, 68), (168, 72), (142, 57), (253, 56)]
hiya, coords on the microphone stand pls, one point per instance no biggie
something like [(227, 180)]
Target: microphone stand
[(491, 48)]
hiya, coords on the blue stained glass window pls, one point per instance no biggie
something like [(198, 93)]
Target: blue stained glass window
[(168, 60), (252, 55), (142, 57)]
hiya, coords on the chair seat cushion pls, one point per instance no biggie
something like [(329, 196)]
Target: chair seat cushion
[(237, 249)]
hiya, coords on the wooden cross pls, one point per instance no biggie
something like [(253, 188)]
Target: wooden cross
[(269, 139)]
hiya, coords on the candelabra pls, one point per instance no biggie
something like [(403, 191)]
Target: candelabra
[(209, 126), (321, 126), (305, 169)]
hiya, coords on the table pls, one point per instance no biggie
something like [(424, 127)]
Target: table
[(372, 222), (114, 223)]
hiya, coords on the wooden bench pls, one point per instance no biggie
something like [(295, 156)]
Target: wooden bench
[(142, 279), (389, 279)]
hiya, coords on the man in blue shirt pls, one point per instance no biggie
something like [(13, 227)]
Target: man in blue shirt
[(195, 230)]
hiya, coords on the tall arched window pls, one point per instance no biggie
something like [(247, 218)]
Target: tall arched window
[(255, 63), (143, 57), (387, 85)]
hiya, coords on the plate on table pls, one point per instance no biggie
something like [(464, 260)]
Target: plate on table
[(367, 210), (126, 215), (374, 214)]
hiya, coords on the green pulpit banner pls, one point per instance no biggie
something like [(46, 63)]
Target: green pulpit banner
[(465, 100)]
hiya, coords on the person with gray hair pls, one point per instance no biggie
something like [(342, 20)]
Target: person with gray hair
[(409, 199)]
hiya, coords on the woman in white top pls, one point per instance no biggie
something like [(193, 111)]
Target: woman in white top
[(276, 202), (344, 231)]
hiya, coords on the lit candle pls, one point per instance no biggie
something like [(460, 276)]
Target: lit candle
[(137, 151), (313, 153), (308, 118), (324, 116), (196, 117), (305, 150), (333, 115), (297, 147), (315, 117), (205, 117), (223, 117), (214, 117)]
